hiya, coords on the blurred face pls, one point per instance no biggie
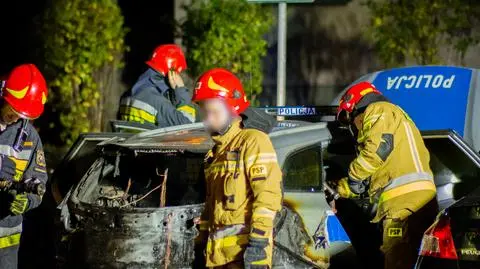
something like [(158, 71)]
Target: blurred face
[(216, 115), (8, 115)]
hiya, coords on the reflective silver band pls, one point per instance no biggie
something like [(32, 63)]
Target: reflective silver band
[(189, 116), (229, 231), (128, 101), (6, 231), (408, 178), (9, 151)]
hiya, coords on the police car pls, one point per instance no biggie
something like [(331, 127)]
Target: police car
[(129, 200)]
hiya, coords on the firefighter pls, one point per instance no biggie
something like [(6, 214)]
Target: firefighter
[(23, 172), (243, 178), (392, 168), (159, 97)]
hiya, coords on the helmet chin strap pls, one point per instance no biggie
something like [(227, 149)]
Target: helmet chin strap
[(353, 128)]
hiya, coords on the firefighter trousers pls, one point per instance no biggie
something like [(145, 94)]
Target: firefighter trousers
[(402, 238), (9, 257)]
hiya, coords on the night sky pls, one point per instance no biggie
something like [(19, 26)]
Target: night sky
[(150, 23)]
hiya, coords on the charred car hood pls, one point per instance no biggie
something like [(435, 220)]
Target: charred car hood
[(192, 138)]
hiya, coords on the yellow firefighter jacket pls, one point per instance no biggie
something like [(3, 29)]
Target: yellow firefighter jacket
[(244, 193), (393, 156)]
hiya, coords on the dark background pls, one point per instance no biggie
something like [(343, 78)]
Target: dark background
[(150, 23)]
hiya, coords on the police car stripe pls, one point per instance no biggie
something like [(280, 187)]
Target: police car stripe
[(9, 151)]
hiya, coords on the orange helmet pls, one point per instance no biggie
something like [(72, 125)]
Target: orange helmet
[(25, 90), (221, 83), (350, 101), (166, 58)]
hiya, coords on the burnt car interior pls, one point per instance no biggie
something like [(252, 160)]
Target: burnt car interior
[(131, 179)]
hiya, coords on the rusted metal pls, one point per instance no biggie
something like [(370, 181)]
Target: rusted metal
[(135, 239), (163, 194), (129, 185), (169, 240)]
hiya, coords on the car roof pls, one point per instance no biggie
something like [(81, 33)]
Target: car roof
[(192, 137)]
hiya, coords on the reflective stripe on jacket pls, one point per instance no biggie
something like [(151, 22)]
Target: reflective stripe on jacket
[(393, 156), (149, 101), (10, 236), (243, 193)]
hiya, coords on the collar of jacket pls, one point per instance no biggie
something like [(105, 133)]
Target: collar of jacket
[(153, 79), (234, 129)]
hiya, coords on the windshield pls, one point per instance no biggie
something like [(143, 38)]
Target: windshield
[(154, 179)]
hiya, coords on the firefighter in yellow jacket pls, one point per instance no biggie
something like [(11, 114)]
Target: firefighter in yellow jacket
[(243, 179), (392, 167)]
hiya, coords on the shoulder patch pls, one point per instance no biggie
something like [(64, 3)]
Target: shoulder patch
[(40, 160), (258, 171)]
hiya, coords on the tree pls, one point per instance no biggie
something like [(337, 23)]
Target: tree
[(84, 46), (416, 30), (228, 34)]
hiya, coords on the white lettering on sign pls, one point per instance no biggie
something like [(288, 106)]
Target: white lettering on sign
[(296, 111), (420, 81)]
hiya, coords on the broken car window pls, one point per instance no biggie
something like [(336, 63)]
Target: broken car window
[(169, 178)]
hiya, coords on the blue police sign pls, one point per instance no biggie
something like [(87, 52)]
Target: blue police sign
[(435, 97)]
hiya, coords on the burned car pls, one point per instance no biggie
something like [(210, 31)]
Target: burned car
[(135, 206)]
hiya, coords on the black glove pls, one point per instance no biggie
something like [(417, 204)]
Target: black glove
[(255, 255), (19, 202)]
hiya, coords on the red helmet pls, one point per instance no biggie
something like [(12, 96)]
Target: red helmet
[(350, 100), (25, 90), (221, 83), (166, 58)]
